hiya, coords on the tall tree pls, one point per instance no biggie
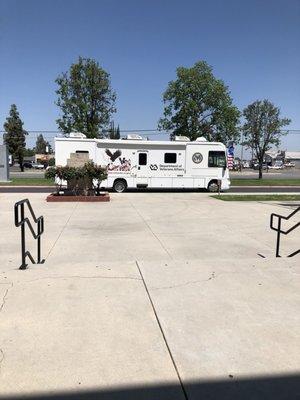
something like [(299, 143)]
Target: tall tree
[(14, 136), (85, 98), (40, 145), (114, 133), (118, 135), (198, 104), (112, 130), (262, 128)]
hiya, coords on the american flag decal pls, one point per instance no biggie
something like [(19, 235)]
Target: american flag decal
[(230, 161), (230, 156)]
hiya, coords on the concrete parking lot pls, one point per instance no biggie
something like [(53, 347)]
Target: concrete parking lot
[(153, 295)]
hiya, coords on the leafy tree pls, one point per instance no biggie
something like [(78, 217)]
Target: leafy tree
[(198, 104), (29, 152), (40, 145), (85, 98), (15, 135), (51, 162), (262, 128)]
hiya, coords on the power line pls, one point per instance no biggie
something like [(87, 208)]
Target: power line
[(102, 131), (157, 131)]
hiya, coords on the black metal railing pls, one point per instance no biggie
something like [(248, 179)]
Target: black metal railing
[(21, 220), (280, 231)]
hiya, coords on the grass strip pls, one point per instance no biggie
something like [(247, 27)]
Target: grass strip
[(28, 182), (257, 197), (265, 182)]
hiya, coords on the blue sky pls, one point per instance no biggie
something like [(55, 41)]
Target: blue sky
[(252, 45)]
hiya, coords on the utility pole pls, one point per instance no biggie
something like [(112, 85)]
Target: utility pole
[(242, 150)]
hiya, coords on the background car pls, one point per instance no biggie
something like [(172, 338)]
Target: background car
[(38, 166), (276, 166), (289, 164), (27, 164), (256, 166), (246, 164)]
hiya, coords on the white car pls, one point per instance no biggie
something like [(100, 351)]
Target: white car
[(246, 164), (289, 164), (276, 166), (37, 166)]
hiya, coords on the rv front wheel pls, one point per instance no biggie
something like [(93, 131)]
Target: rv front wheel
[(119, 186), (213, 186)]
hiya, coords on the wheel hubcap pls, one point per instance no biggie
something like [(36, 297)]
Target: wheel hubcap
[(213, 187), (119, 187)]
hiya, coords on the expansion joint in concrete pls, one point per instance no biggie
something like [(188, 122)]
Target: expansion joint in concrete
[(163, 333), (61, 232), (153, 233), (1, 358), (5, 295)]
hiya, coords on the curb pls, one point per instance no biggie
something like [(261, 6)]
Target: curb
[(26, 187), (231, 187)]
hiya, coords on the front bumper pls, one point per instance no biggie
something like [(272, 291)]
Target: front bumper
[(225, 184)]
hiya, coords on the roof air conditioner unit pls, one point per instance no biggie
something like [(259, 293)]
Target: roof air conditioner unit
[(134, 136), (201, 139), (77, 135), (181, 139)]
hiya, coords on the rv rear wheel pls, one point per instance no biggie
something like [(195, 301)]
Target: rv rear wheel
[(213, 186), (120, 186)]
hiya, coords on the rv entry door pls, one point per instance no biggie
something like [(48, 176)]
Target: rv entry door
[(142, 170)]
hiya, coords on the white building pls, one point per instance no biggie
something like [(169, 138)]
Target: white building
[(293, 157)]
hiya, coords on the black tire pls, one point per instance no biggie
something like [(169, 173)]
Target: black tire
[(120, 185), (213, 187)]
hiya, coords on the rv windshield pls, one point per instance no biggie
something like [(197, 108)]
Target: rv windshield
[(217, 159)]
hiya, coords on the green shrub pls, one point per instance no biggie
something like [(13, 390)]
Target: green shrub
[(51, 162), (79, 179), (95, 173)]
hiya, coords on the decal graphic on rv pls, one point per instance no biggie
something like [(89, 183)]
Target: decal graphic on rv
[(175, 167), (113, 156), (121, 164)]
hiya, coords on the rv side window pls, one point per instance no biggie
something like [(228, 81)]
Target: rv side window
[(82, 152), (142, 158), (216, 159), (170, 158)]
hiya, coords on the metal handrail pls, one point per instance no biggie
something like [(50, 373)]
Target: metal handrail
[(20, 222), (280, 231)]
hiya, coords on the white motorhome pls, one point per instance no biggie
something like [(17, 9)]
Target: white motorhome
[(138, 163)]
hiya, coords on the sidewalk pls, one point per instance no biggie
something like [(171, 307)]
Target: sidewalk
[(153, 295)]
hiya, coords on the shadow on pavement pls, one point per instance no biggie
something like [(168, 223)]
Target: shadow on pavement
[(264, 388)]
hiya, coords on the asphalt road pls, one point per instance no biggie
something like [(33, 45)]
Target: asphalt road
[(28, 173), (293, 173), (274, 189)]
